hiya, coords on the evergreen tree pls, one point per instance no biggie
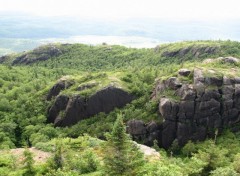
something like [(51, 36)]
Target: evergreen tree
[(122, 156), (57, 158), (28, 161), (188, 149)]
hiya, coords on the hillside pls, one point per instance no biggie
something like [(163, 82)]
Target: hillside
[(170, 96)]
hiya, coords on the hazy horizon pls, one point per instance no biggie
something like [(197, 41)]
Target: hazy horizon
[(26, 24), (108, 9)]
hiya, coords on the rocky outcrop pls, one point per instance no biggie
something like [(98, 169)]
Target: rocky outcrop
[(39, 54), (229, 59), (210, 103), (193, 51), (62, 84), (137, 129), (184, 72), (3, 59), (67, 111), (145, 133)]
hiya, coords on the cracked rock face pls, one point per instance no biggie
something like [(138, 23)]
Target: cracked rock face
[(210, 103), (194, 51), (67, 111), (145, 133)]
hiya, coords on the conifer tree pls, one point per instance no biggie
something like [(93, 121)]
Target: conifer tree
[(122, 156), (57, 157), (28, 161)]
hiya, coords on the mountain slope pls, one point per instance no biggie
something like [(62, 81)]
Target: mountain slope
[(27, 78), (170, 96)]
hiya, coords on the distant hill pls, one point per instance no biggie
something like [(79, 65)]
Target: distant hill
[(20, 32)]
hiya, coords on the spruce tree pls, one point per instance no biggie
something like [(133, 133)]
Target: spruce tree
[(122, 156), (28, 162), (57, 157)]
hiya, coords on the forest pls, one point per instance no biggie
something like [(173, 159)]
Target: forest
[(100, 144)]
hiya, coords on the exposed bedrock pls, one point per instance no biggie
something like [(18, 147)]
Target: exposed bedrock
[(193, 51), (39, 54), (203, 107), (67, 111), (208, 105), (145, 133)]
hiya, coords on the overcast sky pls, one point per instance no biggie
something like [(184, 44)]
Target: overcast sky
[(186, 9)]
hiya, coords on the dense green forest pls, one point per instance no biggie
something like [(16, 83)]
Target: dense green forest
[(88, 147)]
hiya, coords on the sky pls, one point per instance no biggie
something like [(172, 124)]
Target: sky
[(112, 9)]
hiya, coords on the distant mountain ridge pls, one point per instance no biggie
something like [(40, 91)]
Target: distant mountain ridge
[(24, 32)]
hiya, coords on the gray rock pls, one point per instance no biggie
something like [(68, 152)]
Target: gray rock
[(168, 133), (209, 94), (231, 60), (154, 132), (79, 108), (214, 121), (41, 53), (184, 133), (237, 90), (200, 133), (136, 127), (214, 81), (58, 87), (198, 76), (184, 72), (4, 59), (145, 133), (186, 92), (168, 108), (152, 127), (237, 80), (228, 89), (173, 83), (55, 90), (186, 110), (227, 105), (159, 88), (228, 81), (60, 104), (191, 50)]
